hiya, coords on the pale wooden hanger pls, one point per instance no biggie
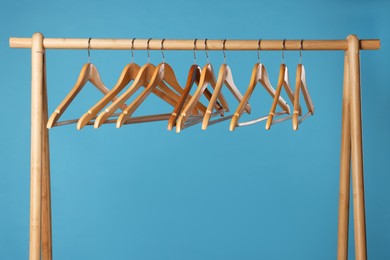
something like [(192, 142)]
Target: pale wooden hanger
[(88, 73), (224, 78), (162, 73), (259, 75), (128, 74), (300, 84), (143, 77), (283, 81), (207, 77), (192, 78)]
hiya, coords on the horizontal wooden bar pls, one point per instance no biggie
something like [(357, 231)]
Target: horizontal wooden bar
[(155, 44)]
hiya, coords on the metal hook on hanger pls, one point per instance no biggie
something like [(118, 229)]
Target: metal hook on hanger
[(147, 49), (258, 51), (194, 50), (223, 50), (205, 48), (89, 48), (283, 47), (300, 52), (132, 50), (162, 49)]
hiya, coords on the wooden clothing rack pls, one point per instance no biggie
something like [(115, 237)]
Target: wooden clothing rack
[(351, 142)]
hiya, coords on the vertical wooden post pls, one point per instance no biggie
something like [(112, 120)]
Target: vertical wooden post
[(46, 198), (357, 149), (36, 145), (345, 168)]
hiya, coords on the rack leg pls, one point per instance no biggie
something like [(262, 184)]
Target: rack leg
[(345, 169), (36, 145), (357, 149), (46, 198)]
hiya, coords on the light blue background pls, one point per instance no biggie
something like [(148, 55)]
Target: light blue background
[(142, 192)]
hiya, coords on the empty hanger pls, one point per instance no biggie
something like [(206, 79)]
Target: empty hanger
[(300, 84), (142, 79), (207, 77), (192, 78), (224, 78), (283, 81), (87, 73), (259, 75)]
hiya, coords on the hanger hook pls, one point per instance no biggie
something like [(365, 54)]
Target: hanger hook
[(223, 50), (147, 49), (89, 50), (283, 48), (300, 52), (162, 49), (205, 48), (258, 51), (132, 50), (194, 50)]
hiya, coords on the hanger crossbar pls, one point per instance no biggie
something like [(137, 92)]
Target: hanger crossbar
[(155, 44)]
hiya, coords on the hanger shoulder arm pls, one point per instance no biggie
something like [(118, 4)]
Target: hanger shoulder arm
[(170, 78), (306, 93), (276, 98), (217, 90), (81, 81), (223, 103), (297, 112), (208, 95), (265, 82), (244, 101), (287, 86), (192, 77), (234, 90)]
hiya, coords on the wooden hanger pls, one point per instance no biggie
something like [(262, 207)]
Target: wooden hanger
[(88, 73), (283, 81), (192, 78), (162, 73), (300, 84), (259, 75), (207, 77), (143, 77), (224, 78)]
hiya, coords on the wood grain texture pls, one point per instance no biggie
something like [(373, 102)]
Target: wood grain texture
[(37, 54), (357, 149), (47, 247), (345, 168)]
